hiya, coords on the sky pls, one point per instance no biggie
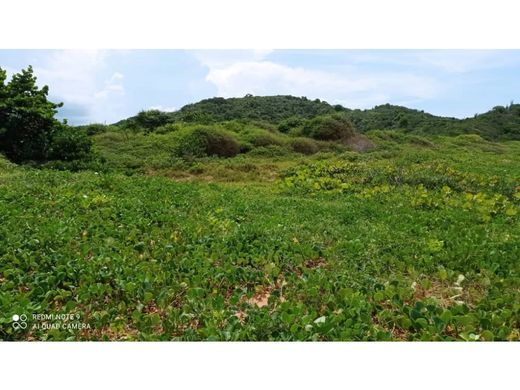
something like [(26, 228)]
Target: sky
[(104, 86)]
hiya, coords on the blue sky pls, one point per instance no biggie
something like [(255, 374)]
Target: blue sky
[(109, 85)]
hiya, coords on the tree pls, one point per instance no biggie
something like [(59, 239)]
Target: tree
[(150, 120), (69, 144), (26, 117), (3, 97)]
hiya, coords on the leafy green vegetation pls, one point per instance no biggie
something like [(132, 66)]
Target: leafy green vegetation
[(328, 128), (415, 240), (499, 123), (28, 129), (273, 218), (289, 112), (201, 142)]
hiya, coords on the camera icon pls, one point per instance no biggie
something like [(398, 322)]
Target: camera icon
[(19, 322)]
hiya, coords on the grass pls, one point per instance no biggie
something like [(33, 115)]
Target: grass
[(418, 239)]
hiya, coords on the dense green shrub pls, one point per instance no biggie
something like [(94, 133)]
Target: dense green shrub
[(92, 163), (148, 121), (235, 126), (289, 124), (269, 151), (69, 144), (264, 138), (167, 128), (304, 145), (328, 128), (202, 141), (95, 128)]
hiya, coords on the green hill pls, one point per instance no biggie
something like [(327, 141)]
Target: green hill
[(499, 123), (270, 109)]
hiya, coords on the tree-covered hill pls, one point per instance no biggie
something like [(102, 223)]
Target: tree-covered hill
[(499, 123), (389, 116), (273, 109), (270, 109)]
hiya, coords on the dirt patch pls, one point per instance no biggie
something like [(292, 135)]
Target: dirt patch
[(314, 263), (360, 143), (447, 295), (241, 315), (261, 298)]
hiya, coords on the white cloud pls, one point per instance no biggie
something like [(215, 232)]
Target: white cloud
[(449, 61), (354, 87), (220, 58), (164, 109), (76, 78), (112, 86)]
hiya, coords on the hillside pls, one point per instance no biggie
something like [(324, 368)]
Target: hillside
[(270, 109), (498, 123)]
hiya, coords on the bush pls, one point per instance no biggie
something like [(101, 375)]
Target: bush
[(304, 146), (328, 128), (70, 144), (168, 128), (269, 151), (94, 128), (263, 138), (235, 126), (289, 124), (202, 142), (93, 164), (150, 120)]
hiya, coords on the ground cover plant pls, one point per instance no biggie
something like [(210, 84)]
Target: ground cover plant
[(262, 224), (354, 247)]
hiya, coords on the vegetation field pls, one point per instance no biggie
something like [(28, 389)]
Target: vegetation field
[(416, 239), (257, 218)]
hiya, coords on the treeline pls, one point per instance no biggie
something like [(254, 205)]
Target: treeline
[(285, 112), (268, 109), (29, 131)]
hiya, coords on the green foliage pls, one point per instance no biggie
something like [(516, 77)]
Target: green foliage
[(272, 109), (69, 144), (168, 128), (499, 123), (288, 114), (290, 124), (29, 131), (269, 151), (26, 117), (147, 120), (328, 128), (135, 152), (204, 141), (388, 116), (503, 123), (260, 137), (97, 128), (388, 245)]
